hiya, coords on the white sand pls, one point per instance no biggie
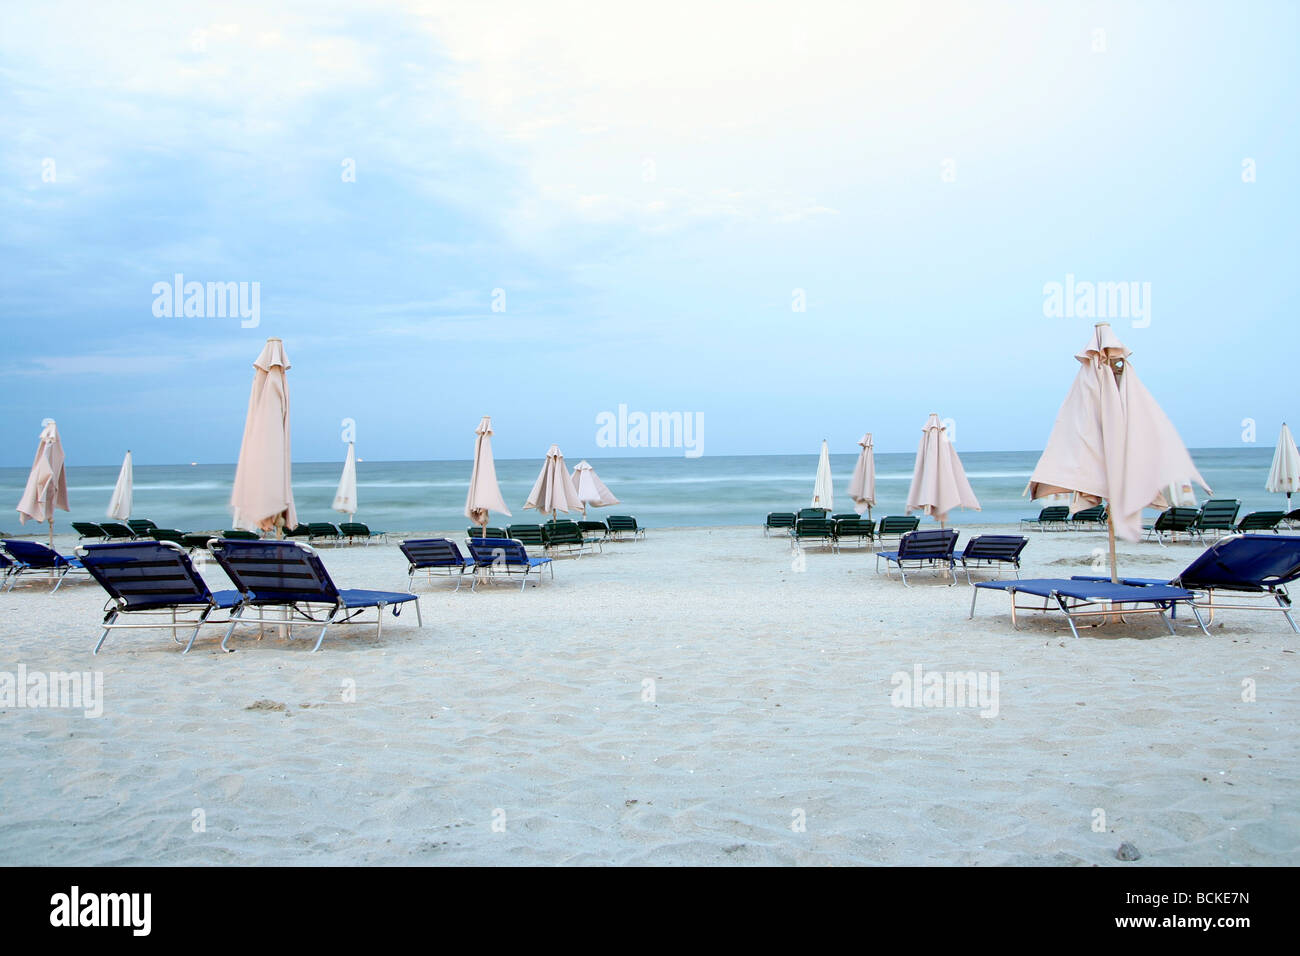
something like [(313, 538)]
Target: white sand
[(771, 696)]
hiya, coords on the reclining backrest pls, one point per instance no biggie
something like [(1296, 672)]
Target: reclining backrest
[(929, 543), (486, 551), (898, 524), (432, 553), (34, 554), (1004, 547), (275, 570), (1248, 563), (144, 574)]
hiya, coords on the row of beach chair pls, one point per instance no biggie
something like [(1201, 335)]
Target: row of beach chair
[(142, 529), (563, 533), (837, 531), (146, 577), (1058, 518), (1217, 517), (936, 549)]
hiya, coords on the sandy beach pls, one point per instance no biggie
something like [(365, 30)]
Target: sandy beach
[(692, 698)]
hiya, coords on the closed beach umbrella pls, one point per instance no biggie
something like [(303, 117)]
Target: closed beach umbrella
[(47, 484), (1284, 476), (484, 493), (345, 498), (262, 498), (823, 493), (554, 491), (120, 506), (1181, 494), (938, 481), (1112, 442), (591, 490), (862, 486)]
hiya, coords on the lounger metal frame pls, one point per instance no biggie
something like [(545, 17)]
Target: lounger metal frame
[(486, 571), (937, 561), (1114, 609), (300, 613), (61, 567)]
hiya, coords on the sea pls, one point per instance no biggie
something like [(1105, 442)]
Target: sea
[(420, 496)]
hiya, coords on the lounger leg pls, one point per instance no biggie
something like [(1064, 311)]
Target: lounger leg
[(1284, 602), (1197, 615), (1165, 617), (974, 593), (59, 583), (379, 623), (1069, 618), (329, 620), (419, 621), (234, 619), (107, 626), (202, 619)]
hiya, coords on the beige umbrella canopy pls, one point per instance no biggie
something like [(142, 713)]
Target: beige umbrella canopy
[(1284, 475), (345, 496), (554, 491), (862, 486), (1112, 442), (823, 490), (591, 490), (484, 494), (47, 484), (119, 506), (939, 481), (262, 498)]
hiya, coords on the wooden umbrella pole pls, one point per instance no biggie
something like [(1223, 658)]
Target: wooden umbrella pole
[(1110, 529), (1114, 565)]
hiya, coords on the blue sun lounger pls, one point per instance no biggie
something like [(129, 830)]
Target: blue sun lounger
[(9, 568), (435, 556), (1260, 564), (152, 577), (992, 550), (495, 556), (933, 548), (32, 557), (290, 575), (1087, 600)]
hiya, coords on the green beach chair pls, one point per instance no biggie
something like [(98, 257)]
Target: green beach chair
[(895, 526), (620, 525), (1261, 521), (562, 535), (782, 521), (355, 530), (323, 531), (529, 535), (1089, 518), (815, 529), (1218, 516), (1173, 522), (1054, 516), (852, 529)]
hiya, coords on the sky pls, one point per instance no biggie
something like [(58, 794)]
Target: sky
[(792, 221)]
